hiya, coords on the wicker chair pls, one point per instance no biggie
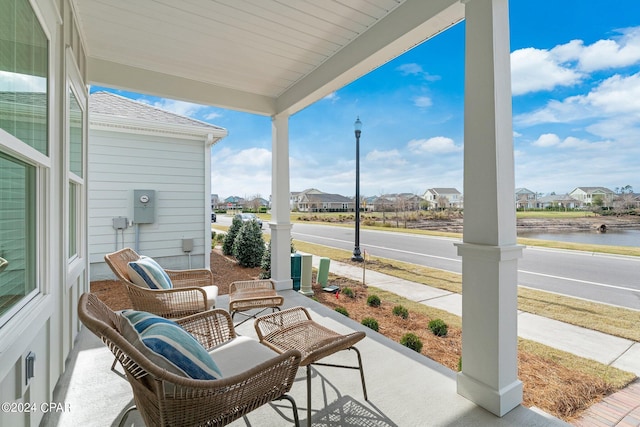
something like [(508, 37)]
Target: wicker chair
[(193, 290), (165, 399)]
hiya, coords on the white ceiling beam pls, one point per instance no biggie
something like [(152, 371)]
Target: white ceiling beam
[(115, 75), (405, 27)]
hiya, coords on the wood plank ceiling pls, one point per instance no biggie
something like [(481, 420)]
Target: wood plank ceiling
[(261, 47)]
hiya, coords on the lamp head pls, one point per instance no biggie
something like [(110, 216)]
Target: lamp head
[(357, 126)]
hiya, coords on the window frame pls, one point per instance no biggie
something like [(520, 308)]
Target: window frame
[(19, 150)]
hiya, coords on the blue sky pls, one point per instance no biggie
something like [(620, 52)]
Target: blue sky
[(576, 113)]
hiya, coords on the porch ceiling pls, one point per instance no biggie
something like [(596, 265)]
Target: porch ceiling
[(262, 56)]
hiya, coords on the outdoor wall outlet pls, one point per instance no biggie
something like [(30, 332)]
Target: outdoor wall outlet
[(29, 367)]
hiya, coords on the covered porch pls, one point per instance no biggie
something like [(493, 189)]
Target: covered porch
[(276, 58), (421, 393)]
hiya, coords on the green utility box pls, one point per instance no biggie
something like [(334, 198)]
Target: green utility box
[(296, 270), (323, 272)]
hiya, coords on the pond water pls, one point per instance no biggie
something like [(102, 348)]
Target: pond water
[(611, 237)]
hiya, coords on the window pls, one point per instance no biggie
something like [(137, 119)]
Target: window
[(24, 67), (24, 147), (17, 231), (75, 135)]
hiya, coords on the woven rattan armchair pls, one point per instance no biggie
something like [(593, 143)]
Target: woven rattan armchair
[(167, 399), (193, 290)]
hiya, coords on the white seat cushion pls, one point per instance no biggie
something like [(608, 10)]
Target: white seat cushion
[(212, 294), (240, 354)]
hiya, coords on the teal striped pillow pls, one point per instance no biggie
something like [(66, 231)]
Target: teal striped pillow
[(147, 273), (168, 345)]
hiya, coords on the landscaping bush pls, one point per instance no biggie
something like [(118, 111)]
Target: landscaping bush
[(371, 323), (248, 246), (373, 301), (412, 341), (401, 311), (342, 311), (347, 291), (438, 327), (227, 245)]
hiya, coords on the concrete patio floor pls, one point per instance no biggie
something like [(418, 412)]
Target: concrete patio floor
[(404, 387)]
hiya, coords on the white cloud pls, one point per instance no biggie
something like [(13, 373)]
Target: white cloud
[(16, 82), (179, 107), (533, 70), (438, 144), (616, 96), (387, 157), (605, 54), (547, 140), (552, 140), (333, 97), (413, 69), (422, 101)]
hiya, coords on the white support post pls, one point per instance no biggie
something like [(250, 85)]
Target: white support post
[(280, 209), (489, 250)]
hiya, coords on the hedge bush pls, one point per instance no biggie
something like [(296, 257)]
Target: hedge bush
[(412, 341), (371, 323)]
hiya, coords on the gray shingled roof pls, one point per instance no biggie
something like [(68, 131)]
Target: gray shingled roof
[(115, 105)]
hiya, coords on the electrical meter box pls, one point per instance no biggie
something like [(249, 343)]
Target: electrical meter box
[(144, 206)]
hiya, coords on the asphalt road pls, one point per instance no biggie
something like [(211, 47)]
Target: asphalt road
[(598, 277)]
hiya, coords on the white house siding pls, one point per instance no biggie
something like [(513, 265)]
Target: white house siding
[(121, 162), (46, 322)]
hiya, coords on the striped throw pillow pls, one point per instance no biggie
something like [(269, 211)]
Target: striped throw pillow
[(168, 345), (145, 272)]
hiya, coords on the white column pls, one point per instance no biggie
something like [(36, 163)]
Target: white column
[(489, 250), (280, 218)]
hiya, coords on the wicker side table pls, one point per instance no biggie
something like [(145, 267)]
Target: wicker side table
[(250, 295), (293, 328)]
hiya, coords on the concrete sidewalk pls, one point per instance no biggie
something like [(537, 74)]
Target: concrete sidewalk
[(609, 350)]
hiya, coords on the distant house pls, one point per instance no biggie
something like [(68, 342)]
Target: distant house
[(560, 201), (398, 202), (215, 201), (525, 198), (441, 198), (150, 185), (313, 200), (256, 203), (233, 202), (593, 196)]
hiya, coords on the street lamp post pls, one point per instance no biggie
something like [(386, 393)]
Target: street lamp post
[(357, 256)]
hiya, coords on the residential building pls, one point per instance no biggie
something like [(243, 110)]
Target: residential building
[(593, 196), (442, 198), (316, 201), (136, 149), (559, 201), (525, 198)]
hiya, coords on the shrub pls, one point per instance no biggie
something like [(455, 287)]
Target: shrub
[(412, 341), (373, 301), (460, 364), (248, 246), (438, 327), (401, 311), (342, 311), (265, 263), (347, 291), (227, 245), (371, 323)]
